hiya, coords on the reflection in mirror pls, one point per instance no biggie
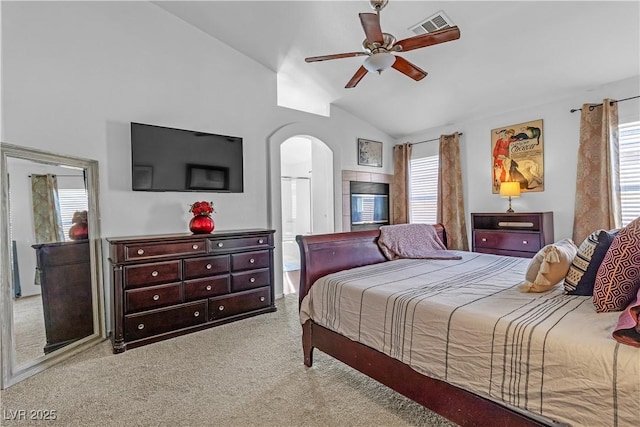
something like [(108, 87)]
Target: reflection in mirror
[(52, 300)]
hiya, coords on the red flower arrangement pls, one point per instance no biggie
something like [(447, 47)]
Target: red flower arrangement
[(202, 208), (80, 229)]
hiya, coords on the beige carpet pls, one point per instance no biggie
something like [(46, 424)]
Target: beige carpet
[(247, 373), (28, 317)]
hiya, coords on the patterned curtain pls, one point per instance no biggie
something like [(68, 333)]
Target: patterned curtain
[(450, 198), (47, 222), (598, 178), (400, 184)]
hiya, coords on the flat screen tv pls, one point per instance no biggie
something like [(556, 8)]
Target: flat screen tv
[(168, 159)]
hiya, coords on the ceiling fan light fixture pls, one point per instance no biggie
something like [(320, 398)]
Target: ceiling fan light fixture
[(379, 62)]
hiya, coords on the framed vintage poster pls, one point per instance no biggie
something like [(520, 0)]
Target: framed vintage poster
[(369, 152), (517, 155)]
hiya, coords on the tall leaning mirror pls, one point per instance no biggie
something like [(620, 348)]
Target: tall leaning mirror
[(51, 294)]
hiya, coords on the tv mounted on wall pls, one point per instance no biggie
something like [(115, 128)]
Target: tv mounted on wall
[(168, 159)]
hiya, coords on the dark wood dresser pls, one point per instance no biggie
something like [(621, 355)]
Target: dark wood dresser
[(65, 281), (169, 285), (511, 234)]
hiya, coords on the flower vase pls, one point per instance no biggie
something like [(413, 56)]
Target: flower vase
[(201, 224), (79, 231)]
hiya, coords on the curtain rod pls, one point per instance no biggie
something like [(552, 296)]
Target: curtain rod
[(591, 107), (430, 140), (56, 174)]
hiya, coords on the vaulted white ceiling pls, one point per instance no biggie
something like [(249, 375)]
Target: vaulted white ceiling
[(511, 54)]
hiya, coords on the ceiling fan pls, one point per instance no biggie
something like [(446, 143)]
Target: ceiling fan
[(378, 47)]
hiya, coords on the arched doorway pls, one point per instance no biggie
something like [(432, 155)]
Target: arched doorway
[(306, 196)]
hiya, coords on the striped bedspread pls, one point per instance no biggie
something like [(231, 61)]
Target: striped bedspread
[(465, 322)]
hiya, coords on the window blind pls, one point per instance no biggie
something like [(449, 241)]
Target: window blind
[(629, 138), (71, 200), (423, 190)]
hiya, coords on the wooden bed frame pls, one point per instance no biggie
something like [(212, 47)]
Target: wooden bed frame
[(328, 253)]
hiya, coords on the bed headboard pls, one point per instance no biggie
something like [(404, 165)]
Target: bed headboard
[(322, 254)]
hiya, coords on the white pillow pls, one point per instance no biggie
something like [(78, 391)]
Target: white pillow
[(549, 266)]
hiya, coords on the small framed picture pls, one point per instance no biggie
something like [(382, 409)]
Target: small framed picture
[(369, 153)]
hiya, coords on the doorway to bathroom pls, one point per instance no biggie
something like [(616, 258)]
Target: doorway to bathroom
[(306, 183)]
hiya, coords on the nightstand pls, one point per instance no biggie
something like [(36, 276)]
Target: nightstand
[(511, 234)]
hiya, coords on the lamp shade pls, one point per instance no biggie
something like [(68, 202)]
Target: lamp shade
[(510, 189), (379, 61)]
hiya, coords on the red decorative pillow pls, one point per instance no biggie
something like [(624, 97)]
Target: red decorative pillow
[(618, 277), (627, 331)]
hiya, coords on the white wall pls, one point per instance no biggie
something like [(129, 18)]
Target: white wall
[(561, 137), (75, 74)]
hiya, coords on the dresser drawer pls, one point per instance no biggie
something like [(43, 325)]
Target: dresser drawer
[(143, 325), (154, 250), (250, 260), (220, 244), (201, 267), (506, 253), (152, 297), (507, 240), (207, 287), (250, 279), (151, 274), (221, 307)]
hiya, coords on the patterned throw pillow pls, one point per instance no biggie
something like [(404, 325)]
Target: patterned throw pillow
[(549, 266), (618, 277), (582, 273)]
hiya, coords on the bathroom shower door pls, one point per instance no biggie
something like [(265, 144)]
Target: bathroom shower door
[(296, 217)]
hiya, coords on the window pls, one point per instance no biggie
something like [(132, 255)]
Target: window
[(629, 135), (72, 197), (423, 190)]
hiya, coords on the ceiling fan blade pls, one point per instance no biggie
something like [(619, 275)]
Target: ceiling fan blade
[(407, 68), (429, 39), (356, 77), (335, 56), (371, 25)]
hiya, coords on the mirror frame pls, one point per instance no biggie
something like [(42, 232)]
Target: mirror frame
[(11, 373)]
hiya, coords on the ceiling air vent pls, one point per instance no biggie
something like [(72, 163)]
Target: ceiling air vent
[(436, 22)]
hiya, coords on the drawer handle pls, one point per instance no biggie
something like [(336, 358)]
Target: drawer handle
[(140, 251), (251, 261), (260, 241), (484, 239), (261, 299), (208, 266), (154, 273), (195, 246), (196, 314), (221, 308), (252, 280), (156, 297), (141, 326), (524, 242), (208, 287), (220, 244)]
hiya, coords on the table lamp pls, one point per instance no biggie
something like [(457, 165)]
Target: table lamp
[(510, 189)]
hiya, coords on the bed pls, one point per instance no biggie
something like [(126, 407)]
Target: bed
[(458, 337)]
